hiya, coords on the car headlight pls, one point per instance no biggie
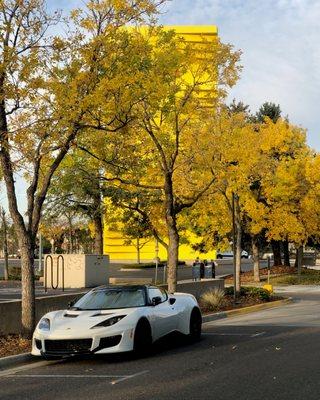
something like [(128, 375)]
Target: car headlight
[(109, 322), (44, 324)]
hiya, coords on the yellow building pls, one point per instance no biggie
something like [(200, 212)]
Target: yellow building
[(115, 245)]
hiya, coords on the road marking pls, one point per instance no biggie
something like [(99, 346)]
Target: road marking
[(258, 334), (13, 371), (115, 378), (233, 334), (129, 377)]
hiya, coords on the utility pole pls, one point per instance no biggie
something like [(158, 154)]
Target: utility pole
[(5, 245)]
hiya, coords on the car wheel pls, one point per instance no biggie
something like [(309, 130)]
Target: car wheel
[(195, 325), (142, 338)]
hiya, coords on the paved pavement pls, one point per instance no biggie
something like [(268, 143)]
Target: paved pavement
[(272, 354)]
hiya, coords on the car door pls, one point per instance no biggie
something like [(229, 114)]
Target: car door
[(163, 314)]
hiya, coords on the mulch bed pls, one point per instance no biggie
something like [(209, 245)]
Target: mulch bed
[(274, 271), (243, 301), (14, 344)]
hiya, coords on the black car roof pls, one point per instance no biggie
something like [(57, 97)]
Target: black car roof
[(122, 286)]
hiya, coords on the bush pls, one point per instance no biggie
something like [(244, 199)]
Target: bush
[(260, 293), (249, 291), (213, 299)]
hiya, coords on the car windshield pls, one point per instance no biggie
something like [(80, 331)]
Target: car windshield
[(104, 299)]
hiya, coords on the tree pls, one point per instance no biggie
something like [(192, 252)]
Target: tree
[(234, 159), (77, 186), (5, 243), (166, 145), (270, 110), (136, 230), (47, 88)]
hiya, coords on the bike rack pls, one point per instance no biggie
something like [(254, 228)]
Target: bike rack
[(54, 287)]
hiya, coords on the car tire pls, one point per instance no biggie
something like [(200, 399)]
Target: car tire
[(195, 325), (142, 338)]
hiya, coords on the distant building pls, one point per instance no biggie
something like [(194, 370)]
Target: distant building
[(115, 245)]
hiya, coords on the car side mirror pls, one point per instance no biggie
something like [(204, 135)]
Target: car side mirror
[(156, 300), (172, 300), (71, 304)]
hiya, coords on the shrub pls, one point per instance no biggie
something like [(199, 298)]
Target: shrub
[(260, 293), (213, 299), (249, 291)]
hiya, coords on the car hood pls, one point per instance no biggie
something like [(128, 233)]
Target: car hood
[(71, 320)]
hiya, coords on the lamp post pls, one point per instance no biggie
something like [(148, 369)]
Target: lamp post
[(157, 261), (40, 253), (234, 250)]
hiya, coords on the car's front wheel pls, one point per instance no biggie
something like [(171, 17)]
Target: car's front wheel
[(142, 338), (195, 325)]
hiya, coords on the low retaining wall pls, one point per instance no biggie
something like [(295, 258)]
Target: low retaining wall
[(10, 311), (197, 288)]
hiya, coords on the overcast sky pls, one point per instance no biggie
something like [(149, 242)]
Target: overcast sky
[(281, 52)]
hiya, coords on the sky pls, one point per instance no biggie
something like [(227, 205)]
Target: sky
[(279, 40), (281, 52), (280, 47)]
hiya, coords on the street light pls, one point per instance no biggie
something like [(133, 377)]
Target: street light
[(234, 249), (157, 261)]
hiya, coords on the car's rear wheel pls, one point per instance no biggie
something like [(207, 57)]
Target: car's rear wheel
[(142, 338), (195, 325)]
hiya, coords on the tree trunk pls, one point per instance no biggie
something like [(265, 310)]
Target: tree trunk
[(70, 247), (173, 235), (286, 253), (98, 235), (173, 256), (5, 246), (277, 261), (238, 243), (299, 256), (256, 259), (27, 283), (138, 250)]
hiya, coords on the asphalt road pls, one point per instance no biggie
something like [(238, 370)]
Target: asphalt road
[(272, 354), (184, 272)]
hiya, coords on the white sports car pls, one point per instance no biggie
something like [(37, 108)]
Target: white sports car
[(112, 319)]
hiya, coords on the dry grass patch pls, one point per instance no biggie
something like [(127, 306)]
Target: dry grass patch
[(213, 299)]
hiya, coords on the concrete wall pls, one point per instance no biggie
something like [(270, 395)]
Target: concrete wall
[(80, 270), (199, 287), (10, 311)]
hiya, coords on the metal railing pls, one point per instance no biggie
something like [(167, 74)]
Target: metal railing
[(60, 262)]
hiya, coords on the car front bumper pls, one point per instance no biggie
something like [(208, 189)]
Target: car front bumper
[(62, 344)]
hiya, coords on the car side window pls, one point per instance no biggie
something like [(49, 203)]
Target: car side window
[(156, 292)]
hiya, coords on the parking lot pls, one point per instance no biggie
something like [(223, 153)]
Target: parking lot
[(273, 354)]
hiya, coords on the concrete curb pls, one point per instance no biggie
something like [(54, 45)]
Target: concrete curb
[(13, 361), (245, 310)]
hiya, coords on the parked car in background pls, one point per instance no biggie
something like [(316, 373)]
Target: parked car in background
[(229, 254), (267, 255)]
